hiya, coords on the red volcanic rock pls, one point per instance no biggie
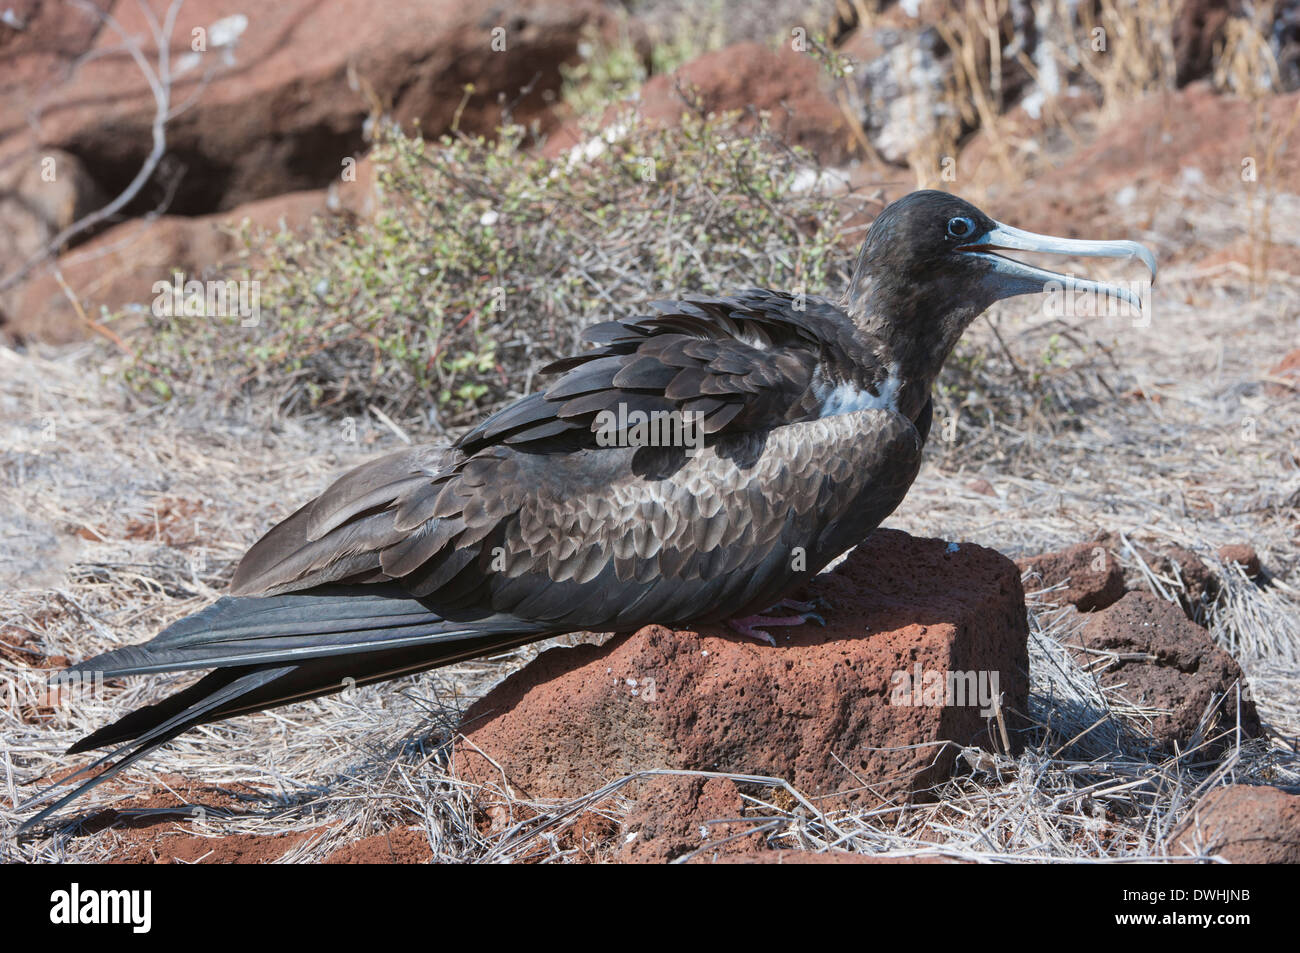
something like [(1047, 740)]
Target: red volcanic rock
[(787, 85), (1161, 661), (282, 90), (1093, 577), (1195, 583), (119, 267), (827, 709), (1242, 555), (676, 814), (1245, 824), (401, 845), (160, 832), (1149, 148), (144, 848), (274, 107), (39, 42), (1200, 582), (40, 196), (1286, 375), (811, 857)]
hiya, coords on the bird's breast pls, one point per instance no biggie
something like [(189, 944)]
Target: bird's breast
[(593, 542), (743, 494)]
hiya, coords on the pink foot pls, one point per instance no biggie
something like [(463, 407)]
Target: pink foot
[(748, 626)]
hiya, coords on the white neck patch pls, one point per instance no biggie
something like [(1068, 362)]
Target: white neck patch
[(847, 398)]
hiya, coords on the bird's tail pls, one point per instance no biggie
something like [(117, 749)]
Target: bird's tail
[(269, 651)]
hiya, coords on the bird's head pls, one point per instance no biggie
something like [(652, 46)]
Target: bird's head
[(930, 265)]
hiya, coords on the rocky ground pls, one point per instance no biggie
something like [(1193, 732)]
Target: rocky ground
[(1129, 574)]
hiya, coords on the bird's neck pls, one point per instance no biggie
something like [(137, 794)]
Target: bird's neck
[(909, 332)]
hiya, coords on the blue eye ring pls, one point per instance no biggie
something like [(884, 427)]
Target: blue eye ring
[(961, 227)]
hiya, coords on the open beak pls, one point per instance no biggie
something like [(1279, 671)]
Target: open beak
[(1015, 277)]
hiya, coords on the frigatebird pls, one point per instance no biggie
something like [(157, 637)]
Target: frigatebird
[(801, 428)]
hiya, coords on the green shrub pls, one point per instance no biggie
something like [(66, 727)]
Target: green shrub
[(485, 261)]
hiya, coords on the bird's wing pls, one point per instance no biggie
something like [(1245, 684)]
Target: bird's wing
[(748, 362), (337, 536), (745, 364), (594, 537)]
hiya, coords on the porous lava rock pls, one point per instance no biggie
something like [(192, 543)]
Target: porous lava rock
[(1245, 824), (1170, 668), (832, 710), (1093, 577)]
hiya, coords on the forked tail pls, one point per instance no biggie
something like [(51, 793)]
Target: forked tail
[(273, 650)]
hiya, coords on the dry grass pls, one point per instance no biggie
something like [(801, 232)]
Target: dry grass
[(1050, 58)]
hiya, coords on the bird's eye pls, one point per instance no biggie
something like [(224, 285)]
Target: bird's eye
[(960, 227)]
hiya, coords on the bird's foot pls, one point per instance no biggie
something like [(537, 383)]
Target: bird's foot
[(749, 625), (803, 608)]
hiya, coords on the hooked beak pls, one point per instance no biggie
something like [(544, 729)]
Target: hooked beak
[(1014, 277)]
